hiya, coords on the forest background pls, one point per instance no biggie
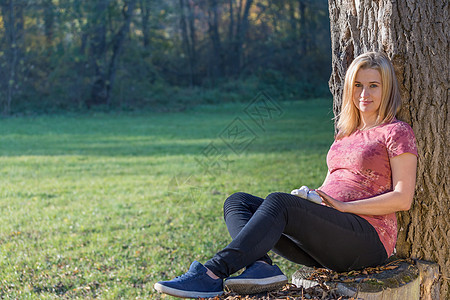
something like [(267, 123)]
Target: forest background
[(159, 55)]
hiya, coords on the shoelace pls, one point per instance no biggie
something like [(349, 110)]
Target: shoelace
[(187, 275)]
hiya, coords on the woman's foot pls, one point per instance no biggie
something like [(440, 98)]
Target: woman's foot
[(257, 278), (196, 283)]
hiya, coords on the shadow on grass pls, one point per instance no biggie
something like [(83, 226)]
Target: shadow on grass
[(186, 133)]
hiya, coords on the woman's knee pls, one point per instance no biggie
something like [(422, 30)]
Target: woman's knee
[(275, 195), (235, 198), (278, 198), (276, 202), (235, 201)]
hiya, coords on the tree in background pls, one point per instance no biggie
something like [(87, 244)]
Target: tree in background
[(139, 53), (415, 36), (104, 53), (11, 57)]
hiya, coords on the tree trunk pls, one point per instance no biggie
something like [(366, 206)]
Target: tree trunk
[(237, 39), (49, 16), (193, 41), (145, 15), (12, 57), (303, 36), (400, 280), (105, 65), (97, 53), (414, 34), (117, 46), (292, 18), (12, 14), (230, 36), (217, 64), (185, 40)]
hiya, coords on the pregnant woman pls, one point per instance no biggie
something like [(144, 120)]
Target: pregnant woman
[(371, 175)]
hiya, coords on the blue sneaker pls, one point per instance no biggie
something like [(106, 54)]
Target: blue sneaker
[(193, 284), (257, 278)]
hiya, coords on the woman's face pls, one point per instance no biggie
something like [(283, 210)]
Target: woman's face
[(367, 92)]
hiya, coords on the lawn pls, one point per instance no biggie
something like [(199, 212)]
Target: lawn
[(104, 205)]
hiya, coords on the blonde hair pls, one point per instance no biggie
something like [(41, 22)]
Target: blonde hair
[(349, 117)]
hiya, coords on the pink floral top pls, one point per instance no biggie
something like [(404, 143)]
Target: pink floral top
[(359, 168)]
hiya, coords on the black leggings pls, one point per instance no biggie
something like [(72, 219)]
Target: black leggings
[(301, 231)]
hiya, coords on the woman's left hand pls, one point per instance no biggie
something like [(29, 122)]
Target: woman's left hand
[(330, 201)]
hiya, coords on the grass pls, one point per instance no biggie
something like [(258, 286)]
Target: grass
[(104, 205)]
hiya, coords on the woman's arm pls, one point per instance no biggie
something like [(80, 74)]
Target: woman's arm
[(403, 180)]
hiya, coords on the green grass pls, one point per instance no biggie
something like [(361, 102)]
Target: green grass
[(104, 205)]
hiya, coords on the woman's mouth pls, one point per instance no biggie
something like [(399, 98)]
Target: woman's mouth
[(365, 102)]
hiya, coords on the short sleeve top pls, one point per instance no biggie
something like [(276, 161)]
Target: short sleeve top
[(359, 168)]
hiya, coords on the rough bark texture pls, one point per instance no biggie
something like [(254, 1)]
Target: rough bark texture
[(429, 273), (415, 35)]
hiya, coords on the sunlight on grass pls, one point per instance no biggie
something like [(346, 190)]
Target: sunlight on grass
[(106, 205)]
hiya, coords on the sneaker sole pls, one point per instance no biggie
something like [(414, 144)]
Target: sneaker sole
[(184, 294), (254, 286)]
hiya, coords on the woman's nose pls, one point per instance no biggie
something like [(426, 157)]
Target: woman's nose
[(364, 93)]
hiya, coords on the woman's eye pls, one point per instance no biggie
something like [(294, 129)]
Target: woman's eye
[(373, 85), (357, 84)]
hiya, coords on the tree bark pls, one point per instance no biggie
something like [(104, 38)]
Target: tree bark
[(414, 34)]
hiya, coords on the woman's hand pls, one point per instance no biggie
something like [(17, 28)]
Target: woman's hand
[(330, 201)]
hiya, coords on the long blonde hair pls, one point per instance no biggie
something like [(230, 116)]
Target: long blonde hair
[(349, 117)]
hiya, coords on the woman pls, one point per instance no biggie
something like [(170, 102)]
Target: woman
[(371, 175)]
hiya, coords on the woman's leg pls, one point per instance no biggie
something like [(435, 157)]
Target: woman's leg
[(238, 210), (336, 240), (287, 248), (292, 226)]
